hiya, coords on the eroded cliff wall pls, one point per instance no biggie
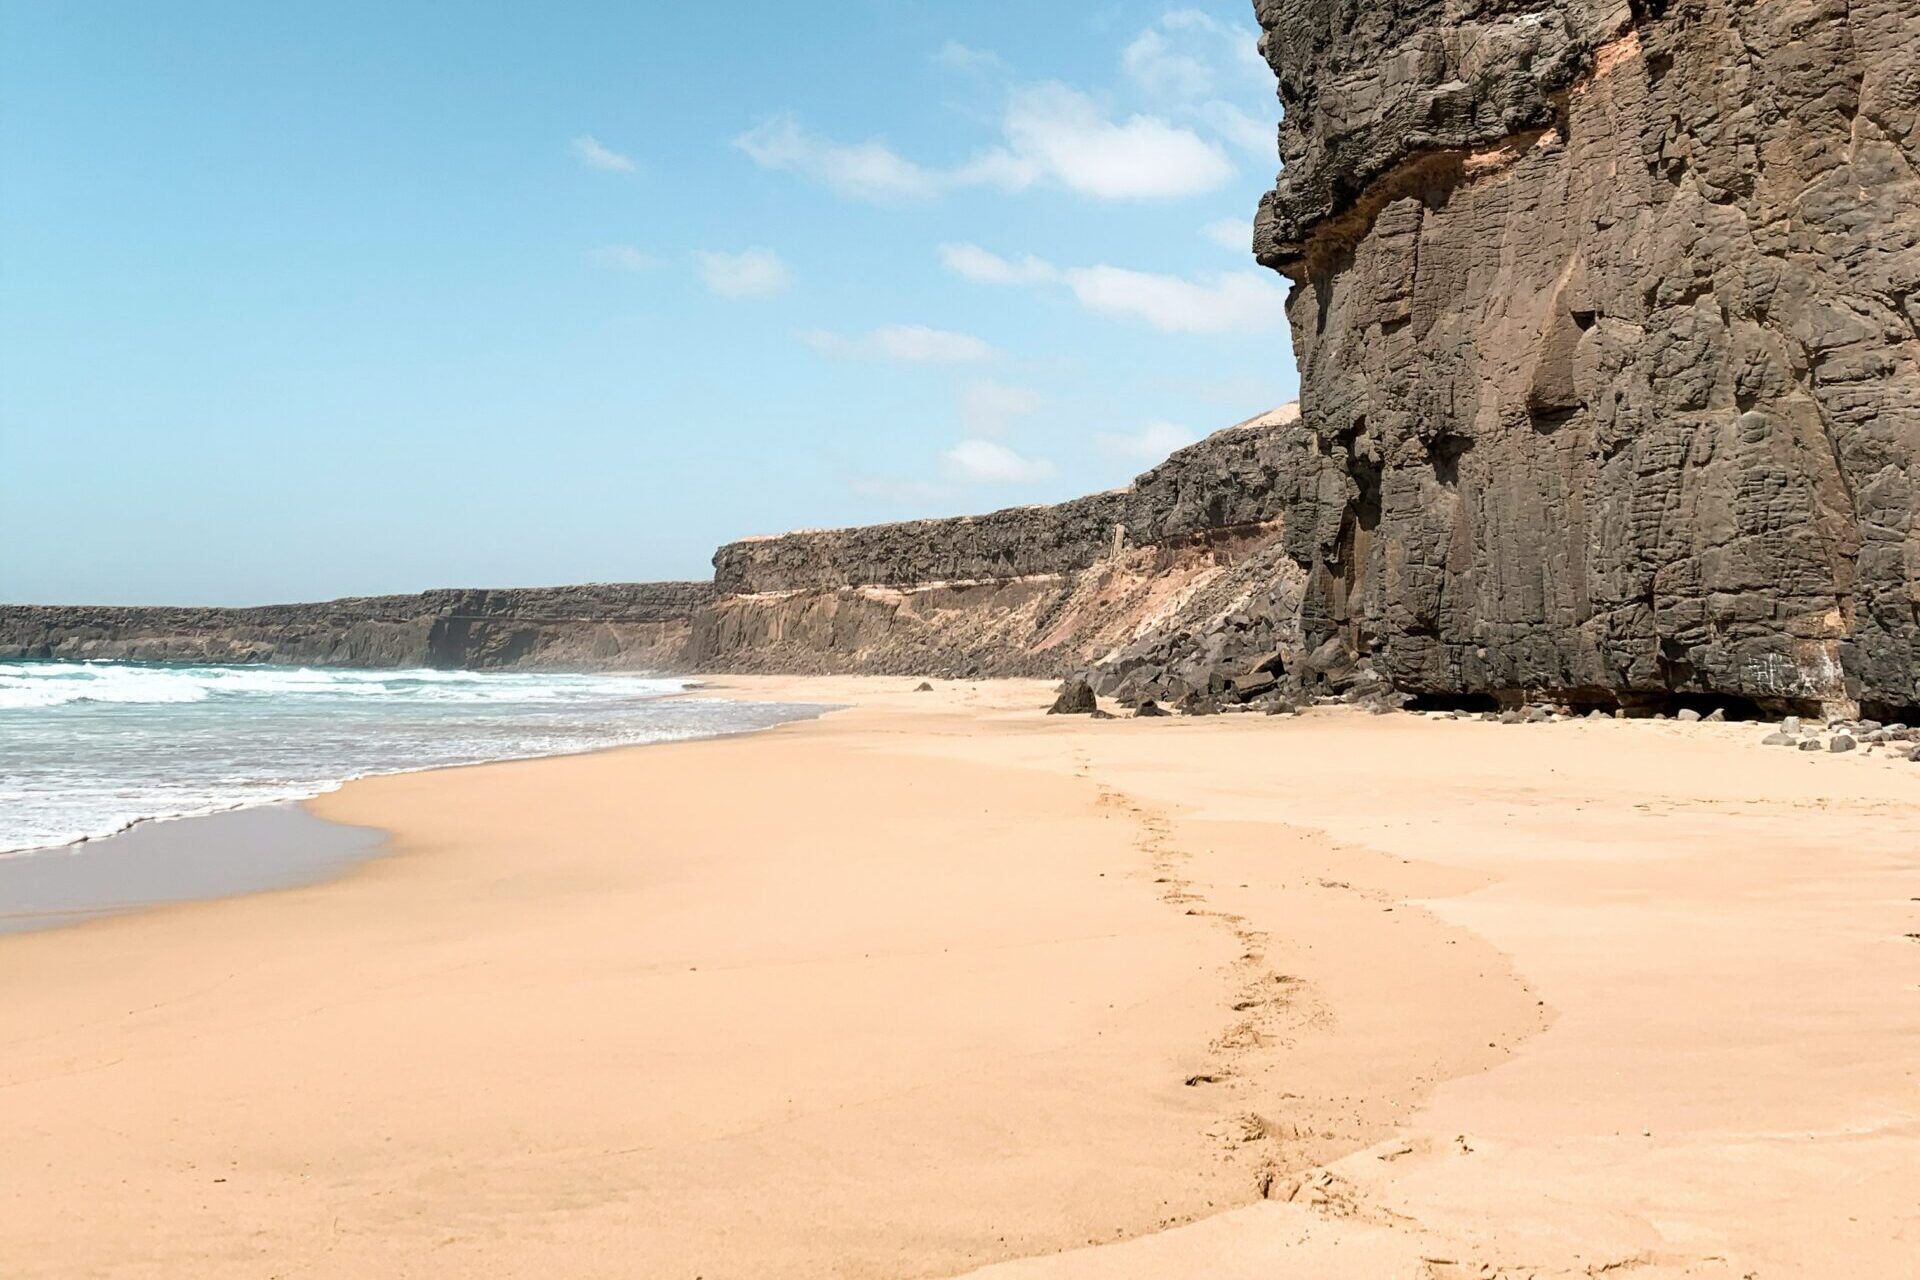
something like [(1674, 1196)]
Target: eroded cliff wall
[(1185, 568), (1608, 324)]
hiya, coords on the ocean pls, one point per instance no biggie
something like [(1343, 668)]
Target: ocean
[(90, 748)]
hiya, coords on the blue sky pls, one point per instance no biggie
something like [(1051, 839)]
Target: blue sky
[(303, 301)]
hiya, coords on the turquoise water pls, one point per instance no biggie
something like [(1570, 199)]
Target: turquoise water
[(87, 749)]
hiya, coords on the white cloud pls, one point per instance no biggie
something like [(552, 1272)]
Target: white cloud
[(1051, 134), (1243, 130), (909, 343), (751, 273), (987, 408), (866, 170), (622, 257), (989, 462), (1058, 133), (1150, 443), (1239, 302), (1153, 63), (1202, 68), (1231, 233), (971, 262), (1219, 302), (594, 154)]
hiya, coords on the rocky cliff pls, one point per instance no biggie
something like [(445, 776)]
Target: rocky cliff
[(639, 626), (1608, 324), (1143, 581)]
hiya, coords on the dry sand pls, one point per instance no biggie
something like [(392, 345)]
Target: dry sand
[(938, 983)]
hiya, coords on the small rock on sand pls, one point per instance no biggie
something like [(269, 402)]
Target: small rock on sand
[(1688, 714), (1778, 739), (1717, 716), (1841, 742), (923, 687), (1151, 708), (1810, 744), (1076, 699), (1791, 726)]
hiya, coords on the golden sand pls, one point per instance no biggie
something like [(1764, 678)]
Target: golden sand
[(939, 983)]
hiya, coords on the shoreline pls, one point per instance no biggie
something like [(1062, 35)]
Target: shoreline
[(940, 983), (83, 879)]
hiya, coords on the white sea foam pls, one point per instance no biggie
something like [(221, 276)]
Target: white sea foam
[(87, 749)]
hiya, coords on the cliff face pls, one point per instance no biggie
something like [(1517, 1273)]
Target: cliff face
[(1608, 322), (1192, 549), (635, 626), (1187, 572)]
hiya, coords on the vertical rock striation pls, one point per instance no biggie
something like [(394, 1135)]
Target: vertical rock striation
[(1608, 323)]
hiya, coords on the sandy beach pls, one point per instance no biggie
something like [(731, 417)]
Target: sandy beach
[(939, 985)]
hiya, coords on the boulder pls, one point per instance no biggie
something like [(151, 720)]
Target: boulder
[(1076, 699)]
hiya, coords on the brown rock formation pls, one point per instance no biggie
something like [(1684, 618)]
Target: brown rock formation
[(1608, 321)]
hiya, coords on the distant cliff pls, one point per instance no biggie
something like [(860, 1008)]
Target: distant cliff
[(637, 626), (1193, 548), (1189, 570)]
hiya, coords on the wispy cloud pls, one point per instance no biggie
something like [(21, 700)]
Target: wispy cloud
[(971, 262), (1203, 69), (1149, 444), (990, 462), (622, 257), (1218, 302), (1059, 134), (868, 170), (959, 57), (1240, 302), (907, 343), (1231, 233), (1154, 63), (751, 273), (595, 154), (1052, 135), (989, 408)]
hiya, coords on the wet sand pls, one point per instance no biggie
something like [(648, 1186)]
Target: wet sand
[(276, 846), (939, 983)]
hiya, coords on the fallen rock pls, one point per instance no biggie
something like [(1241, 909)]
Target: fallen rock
[(1098, 714), (923, 687), (1717, 716), (1076, 699), (1810, 744), (1778, 739), (1841, 742), (1791, 726), (1688, 714), (1149, 707)]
